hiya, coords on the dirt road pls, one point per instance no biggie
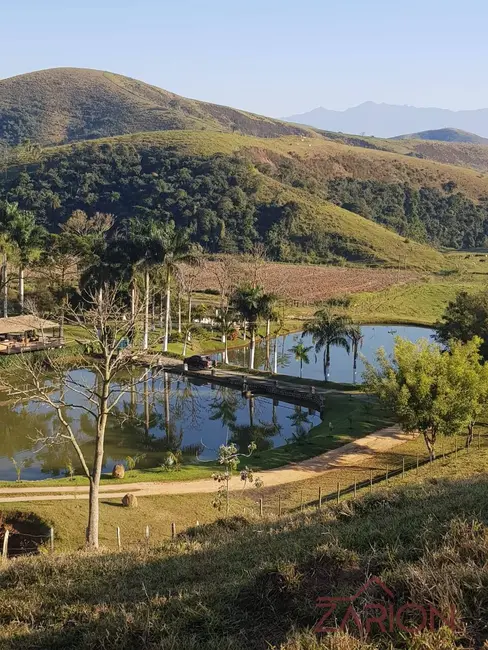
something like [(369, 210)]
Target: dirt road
[(354, 453)]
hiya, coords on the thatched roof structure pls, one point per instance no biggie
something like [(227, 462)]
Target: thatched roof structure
[(27, 323)]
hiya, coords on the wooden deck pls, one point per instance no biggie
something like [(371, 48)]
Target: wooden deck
[(32, 346)]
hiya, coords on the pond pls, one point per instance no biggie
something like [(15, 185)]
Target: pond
[(341, 366), (166, 413)]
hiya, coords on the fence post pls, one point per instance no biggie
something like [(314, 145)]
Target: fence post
[(338, 491), (146, 534), (403, 467), (370, 481), (5, 545), (173, 530), (198, 523), (51, 539), (261, 507), (279, 505), (320, 497), (119, 545)]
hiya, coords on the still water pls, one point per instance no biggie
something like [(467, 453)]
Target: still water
[(341, 366), (167, 413)]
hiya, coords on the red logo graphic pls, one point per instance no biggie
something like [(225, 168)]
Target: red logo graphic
[(385, 617)]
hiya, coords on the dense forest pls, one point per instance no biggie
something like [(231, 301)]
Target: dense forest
[(440, 217), (214, 197), (218, 199)]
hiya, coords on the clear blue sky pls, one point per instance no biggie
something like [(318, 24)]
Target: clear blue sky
[(268, 56)]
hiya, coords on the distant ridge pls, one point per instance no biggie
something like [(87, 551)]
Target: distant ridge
[(64, 105), (388, 120), (445, 135)]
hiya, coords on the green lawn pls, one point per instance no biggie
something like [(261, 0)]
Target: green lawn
[(346, 417), (421, 303)]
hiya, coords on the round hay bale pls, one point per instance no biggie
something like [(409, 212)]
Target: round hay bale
[(129, 501), (118, 471)]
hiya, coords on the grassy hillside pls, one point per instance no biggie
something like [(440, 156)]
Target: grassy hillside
[(324, 158), (278, 199), (252, 584), (68, 104), (445, 135)]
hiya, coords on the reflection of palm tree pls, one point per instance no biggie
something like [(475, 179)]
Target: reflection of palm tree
[(356, 337), (328, 328), (299, 419), (243, 435), (301, 354), (167, 407), (224, 406)]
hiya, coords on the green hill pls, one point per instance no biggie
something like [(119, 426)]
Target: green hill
[(419, 199), (445, 135), (230, 190), (70, 104)]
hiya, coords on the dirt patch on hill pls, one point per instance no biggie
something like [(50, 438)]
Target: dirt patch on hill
[(27, 533)]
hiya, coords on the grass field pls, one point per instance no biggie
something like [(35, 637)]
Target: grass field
[(252, 583)]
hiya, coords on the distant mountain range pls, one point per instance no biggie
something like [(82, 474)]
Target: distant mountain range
[(389, 120)]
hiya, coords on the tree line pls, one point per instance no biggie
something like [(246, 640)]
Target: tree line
[(441, 217)]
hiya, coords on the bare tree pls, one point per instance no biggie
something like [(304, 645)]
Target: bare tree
[(106, 330), (227, 272), (254, 263), (189, 275)]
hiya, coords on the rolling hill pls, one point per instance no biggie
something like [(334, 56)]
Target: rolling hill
[(445, 135), (281, 190), (69, 104), (310, 196)]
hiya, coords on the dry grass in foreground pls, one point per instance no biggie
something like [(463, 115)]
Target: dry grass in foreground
[(250, 584)]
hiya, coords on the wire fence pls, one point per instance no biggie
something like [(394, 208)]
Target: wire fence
[(337, 484)]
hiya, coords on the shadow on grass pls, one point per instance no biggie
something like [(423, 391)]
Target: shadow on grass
[(241, 585)]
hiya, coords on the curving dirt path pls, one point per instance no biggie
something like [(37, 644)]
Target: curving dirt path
[(353, 453)]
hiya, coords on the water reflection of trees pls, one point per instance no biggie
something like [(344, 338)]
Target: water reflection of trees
[(151, 419), (258, 430), (19, 428), (301, 423)]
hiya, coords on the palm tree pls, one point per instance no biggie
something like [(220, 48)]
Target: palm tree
[(225, 320), (153, 243), (7, 213), (301, 354), (28, 236), (328, 328), (355, 335), (178, 249), (252, 304)]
